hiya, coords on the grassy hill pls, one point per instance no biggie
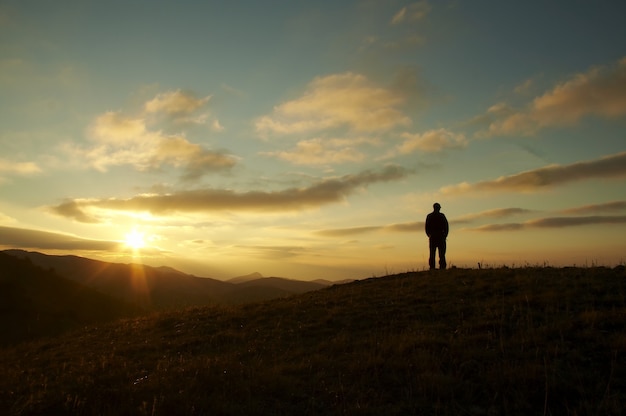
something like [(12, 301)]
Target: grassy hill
[(528, 341)]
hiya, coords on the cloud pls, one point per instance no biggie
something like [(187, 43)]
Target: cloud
[(34, 239), (323, 192), (412, 12), (407, 227), (175, 103), (599, 92), (524, 87), (10, 168), (273, 252), (490, 214), (192, 158), (121, 140), (321, 151), (418, 226), (217, 126), (554, 222), (606, 167), (431, 141), (615, 206), (73, 209), (114, 129), (344, 232), (19, 168), (340, 100)]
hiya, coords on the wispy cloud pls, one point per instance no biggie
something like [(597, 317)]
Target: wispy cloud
[(431, 141), (10, 168), (326, 191), (615, 206), (341, 100), (412, 12), (600, 92), (175, 103), (491, 214), (607, 167), (272, 252), (405, 227), (320, 151), (19, 168), (34, 239), (350, 231), (418, 226), (554, 222)]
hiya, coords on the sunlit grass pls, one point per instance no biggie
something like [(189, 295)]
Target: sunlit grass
[(477, 342)]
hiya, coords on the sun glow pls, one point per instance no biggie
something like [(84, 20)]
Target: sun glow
[(135, 240)]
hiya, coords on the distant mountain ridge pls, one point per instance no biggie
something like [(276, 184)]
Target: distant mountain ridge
[(164, 287), (35, 302)]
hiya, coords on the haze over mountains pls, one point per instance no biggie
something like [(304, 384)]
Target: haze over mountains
[(47, 294)]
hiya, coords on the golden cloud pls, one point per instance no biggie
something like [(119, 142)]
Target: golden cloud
[(606, 167), (614, 206), (175, 103), (600, 92), (340, 100), (554, 222), (431, 141), (326, 191), (35, 239), (19, 168), (123, 140)]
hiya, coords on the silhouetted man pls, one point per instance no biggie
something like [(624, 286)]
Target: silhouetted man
[(437, 232)]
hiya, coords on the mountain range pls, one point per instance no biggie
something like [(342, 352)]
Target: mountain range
[(46, 294)]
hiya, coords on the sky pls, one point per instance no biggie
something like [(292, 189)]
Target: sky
[(310, 139)]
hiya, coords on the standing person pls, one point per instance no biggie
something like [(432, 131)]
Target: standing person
[(437, 231)]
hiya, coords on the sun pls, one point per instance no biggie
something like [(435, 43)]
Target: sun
[(135, 240)]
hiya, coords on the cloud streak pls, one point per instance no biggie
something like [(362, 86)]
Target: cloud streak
[(34, 239), (411, 13), (615, 206), (491, 214), (613, 166), (548, 222), (324, 192), (554, 222)]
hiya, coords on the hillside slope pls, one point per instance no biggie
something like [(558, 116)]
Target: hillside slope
[(461, 342), (36, 303)]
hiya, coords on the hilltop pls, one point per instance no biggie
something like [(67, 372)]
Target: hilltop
[(474, 342)]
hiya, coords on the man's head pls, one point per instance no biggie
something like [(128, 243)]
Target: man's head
[(436, 206)]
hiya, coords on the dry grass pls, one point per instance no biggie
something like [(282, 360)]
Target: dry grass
[(476, 342)]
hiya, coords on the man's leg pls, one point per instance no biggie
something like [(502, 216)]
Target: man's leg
[(432, 244), (442, 254)]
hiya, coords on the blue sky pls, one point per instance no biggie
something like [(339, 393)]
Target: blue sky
[(310, 139)]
